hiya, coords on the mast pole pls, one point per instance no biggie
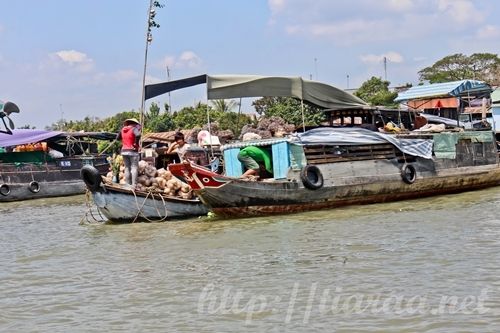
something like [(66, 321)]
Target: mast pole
[(149, 38)]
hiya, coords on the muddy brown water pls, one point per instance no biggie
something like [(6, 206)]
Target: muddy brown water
[(429, 265)]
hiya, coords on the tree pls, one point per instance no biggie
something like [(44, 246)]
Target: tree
[(190, 117), (27, 127), (223, 105), (233, 121), (376, 92), (155, 121), (290, 109), (115, 123), (479, 66)]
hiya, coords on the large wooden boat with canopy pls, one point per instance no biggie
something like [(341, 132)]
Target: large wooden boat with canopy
[(330, 167)]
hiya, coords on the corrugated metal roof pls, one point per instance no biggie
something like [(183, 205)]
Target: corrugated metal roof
[(454, 88)]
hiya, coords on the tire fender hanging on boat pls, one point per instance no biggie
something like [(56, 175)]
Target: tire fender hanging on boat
[(91, 177), (34, 187), (408, 173), (311, 177), (4, 190)]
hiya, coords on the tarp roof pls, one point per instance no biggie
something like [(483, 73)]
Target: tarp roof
[(360, 136), (25, 136), (236, 86), (447, 89), (165, 137)]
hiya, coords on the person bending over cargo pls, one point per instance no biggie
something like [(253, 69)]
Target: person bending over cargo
[(257, 162)]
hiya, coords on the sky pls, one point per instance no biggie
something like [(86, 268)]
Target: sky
[(85, 58)]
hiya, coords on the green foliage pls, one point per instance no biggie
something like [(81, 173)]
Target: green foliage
[(479, 66), (190, 117), (93, 124), (376, 92), (231, 121), (289, 109), (155, 121), (27, 127), (222, 105), (115, 123), (162, 123)]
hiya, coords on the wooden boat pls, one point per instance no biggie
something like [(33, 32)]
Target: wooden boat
[(327, 168), (122, 204), (29, 168), (331, 167)]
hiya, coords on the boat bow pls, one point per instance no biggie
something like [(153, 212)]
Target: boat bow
[(197, 176)]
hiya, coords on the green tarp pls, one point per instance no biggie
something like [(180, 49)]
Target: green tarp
[(445, 143)]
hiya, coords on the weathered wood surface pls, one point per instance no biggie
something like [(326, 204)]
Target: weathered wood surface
[(361, 174), (122, 205)]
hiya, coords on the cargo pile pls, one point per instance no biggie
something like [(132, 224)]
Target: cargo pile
[(270, 127), (39, 146), (155, 180)]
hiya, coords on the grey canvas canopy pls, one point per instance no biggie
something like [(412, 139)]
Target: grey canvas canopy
[(236, 86)]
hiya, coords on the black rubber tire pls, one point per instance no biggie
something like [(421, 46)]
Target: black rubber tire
[(91, 177), (34, 187), (311, 177), (408, 173), (4, 190)]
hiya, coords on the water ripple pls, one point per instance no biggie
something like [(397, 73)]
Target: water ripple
[(428, 265)]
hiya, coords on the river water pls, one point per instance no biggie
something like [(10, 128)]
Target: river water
[(429, 265)]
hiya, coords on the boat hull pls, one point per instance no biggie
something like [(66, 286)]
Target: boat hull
[(21, 191), (232, 197), (26, 181), (122, 205)]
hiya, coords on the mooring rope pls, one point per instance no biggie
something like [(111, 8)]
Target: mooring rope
[(139, 209), (90, 216), (90, 205)]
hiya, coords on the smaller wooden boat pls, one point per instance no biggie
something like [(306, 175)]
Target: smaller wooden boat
[(123, 204)]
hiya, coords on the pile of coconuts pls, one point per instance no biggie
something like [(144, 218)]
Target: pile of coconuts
[(155, 180)]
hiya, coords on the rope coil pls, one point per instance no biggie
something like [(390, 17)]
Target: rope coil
[(91, 218)]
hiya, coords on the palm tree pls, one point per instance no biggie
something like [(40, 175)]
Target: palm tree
[(223, 105)]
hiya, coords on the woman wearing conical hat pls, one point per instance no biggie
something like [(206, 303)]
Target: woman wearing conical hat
[(130, 135)]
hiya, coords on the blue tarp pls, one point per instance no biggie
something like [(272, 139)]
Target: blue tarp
[(360, 136), (447, 89)]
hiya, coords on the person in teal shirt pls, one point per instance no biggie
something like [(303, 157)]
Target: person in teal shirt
[(257, 161)]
